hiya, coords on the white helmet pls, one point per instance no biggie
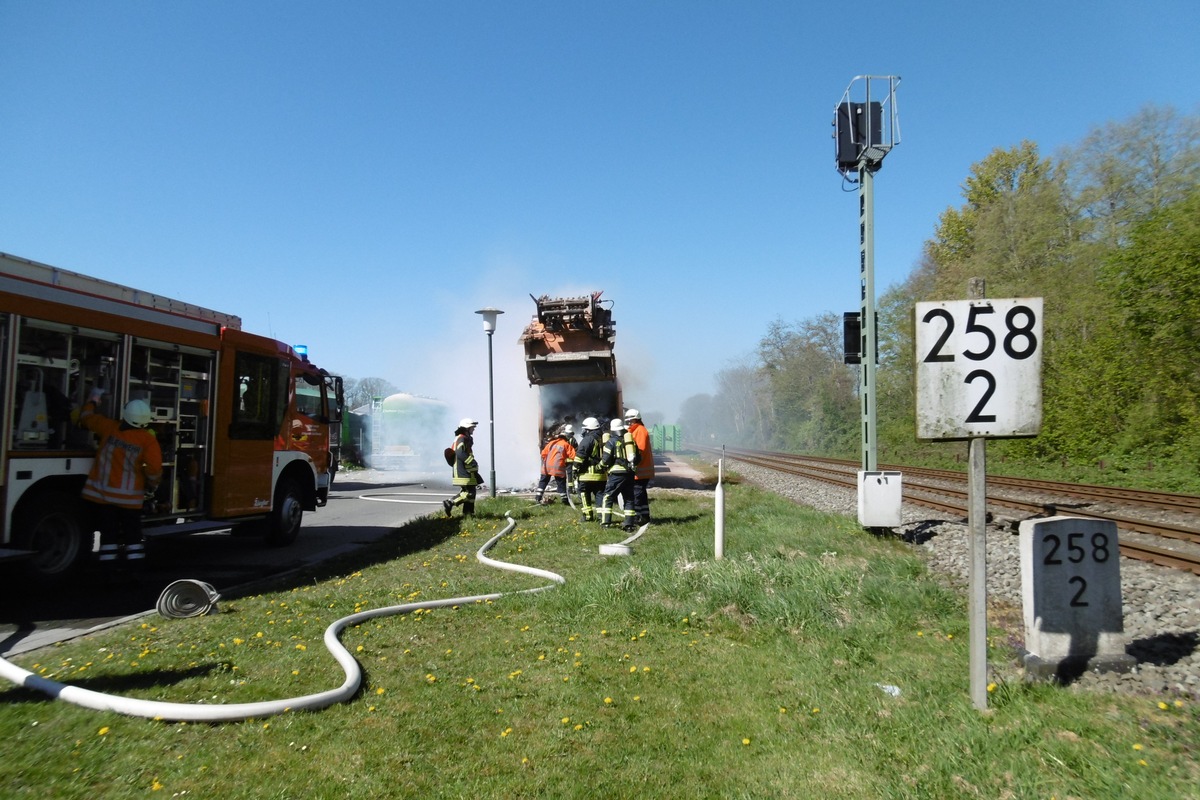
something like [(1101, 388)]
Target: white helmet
[(591, 424), (632, 413), (616, 425), (137, 413), (467, 422), (568, 430)]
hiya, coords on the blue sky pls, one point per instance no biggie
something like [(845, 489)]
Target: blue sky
[(361, 177)]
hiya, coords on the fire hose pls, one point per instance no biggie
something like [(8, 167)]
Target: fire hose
[(233, 712), (187, 598)]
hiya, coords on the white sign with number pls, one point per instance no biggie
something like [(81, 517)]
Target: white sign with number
[(979, 368)]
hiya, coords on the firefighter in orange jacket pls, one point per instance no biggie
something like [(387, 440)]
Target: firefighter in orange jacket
[(128, 465), (558, 458), (645, 467)]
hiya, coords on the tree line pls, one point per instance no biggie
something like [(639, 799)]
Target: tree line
[(1107, 232)]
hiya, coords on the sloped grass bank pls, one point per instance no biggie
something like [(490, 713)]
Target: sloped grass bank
[(771, 673)]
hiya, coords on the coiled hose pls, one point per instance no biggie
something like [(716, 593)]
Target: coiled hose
[(187, 598), (172, 712)]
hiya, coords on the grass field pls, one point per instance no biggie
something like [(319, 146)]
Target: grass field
[(664, 674)]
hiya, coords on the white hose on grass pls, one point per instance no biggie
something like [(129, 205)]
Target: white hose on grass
[(233, 712)]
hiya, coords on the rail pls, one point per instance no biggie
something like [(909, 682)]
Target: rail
[(945, 491)]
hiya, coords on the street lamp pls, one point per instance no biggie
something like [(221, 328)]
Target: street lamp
[(489, 327)]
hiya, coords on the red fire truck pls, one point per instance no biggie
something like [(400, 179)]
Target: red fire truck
[(249, 429)]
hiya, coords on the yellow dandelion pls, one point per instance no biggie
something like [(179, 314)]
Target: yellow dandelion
[(370, 708), (266, 725), (566, 720), (358, 649), (637, 698), (1142, 761), (295, 672), (237, 640), (608, 701), (103, 731), (579, 727), (1163, 705), (991, 687), (949, 635), (920, 633), (816, 710), (380, 690), (633, 669), (645, 669), (782, 710), (155, 785), (1179, 704), (745, 741)]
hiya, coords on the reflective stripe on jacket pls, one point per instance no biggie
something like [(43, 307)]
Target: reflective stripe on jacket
[(128, 462), (619, 453), (466, 468), (587, 458)]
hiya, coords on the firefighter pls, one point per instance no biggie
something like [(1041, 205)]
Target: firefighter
[(620, 458), (645, 467), (127, 467), (557, 462), (588, 471), (466, 469)]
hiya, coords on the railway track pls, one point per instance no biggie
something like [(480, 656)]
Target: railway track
[(945, 491)]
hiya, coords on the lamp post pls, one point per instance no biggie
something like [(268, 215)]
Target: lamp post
[(489, 327)]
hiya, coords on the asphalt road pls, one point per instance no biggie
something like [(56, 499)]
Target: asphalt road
[(363, 507)]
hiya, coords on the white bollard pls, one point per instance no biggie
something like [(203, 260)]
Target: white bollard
[(719, 544)]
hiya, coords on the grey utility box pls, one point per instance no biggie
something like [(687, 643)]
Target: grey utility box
[(880, 496)]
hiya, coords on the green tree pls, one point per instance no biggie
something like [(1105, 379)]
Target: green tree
[(1125, 171), (812, 391), (1155, 279)]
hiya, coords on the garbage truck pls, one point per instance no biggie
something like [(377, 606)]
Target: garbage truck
[(569, 356), (249, 428)]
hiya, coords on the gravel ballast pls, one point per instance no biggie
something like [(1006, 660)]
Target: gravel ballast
[(1161, 605)]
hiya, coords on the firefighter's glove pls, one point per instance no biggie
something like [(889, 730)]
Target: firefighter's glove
[(95, 395)]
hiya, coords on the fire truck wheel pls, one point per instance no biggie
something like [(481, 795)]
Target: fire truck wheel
[(285, 518), (53, 529)]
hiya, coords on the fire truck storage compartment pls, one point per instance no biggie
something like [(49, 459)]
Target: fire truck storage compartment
[(174, 382), (57, 367)]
